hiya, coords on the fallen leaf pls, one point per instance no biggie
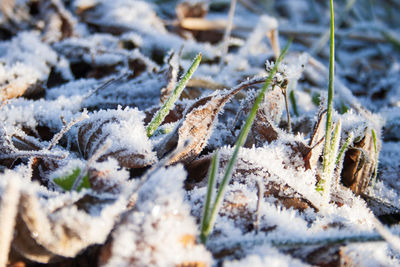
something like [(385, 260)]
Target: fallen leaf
[(194, 130), (359, 164), (131, 150)]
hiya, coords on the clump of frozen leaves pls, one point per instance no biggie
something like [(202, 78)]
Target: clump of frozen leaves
[(52, 17), (28, 64), (158, 230), (50, 226)]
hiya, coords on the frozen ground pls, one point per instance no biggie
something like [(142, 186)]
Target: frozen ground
[(82, 184)]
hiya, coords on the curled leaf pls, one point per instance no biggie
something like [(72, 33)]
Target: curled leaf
[(359, 164), (130, 145)]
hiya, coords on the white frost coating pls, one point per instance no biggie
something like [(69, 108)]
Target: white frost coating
[(266, 256), (9, 200), (154, 233), (64, 230), (25, 60), (283, 167), (132, 14), (370, 254), (41, 112), (254, 43), (125, 130)]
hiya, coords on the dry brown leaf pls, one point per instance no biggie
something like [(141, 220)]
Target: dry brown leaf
[(191, 10), (194, 130), (19, 87), (262, 131), (359, 163), (59, 22), (191, 21), (197, 126)]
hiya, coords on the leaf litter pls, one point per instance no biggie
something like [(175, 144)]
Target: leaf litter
[(81, 80)]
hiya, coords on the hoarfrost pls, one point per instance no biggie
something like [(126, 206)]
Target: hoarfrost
[(159, 231)]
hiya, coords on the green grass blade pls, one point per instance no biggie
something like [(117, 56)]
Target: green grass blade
[(66, 182), (376, 156), (325, 184), (344, 147), (328, 142), (292, 98), (169, 104), (239, 143), (210, 190)]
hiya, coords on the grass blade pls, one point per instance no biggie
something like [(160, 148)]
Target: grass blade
[(210, 191), (328, 142), (169, 104), (239, 143), (376, 156), (344, 147), (292, 98)]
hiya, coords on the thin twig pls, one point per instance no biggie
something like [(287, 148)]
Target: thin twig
[(106, 84), (37, 154), (66, 128)]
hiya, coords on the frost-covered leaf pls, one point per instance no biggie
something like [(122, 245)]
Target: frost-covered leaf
[(359, 164), (262, 132), (26, 66), (50, 226), (159, 230), (56, 21), (102, 55), (130, 145), (194, 130), (120, 16)]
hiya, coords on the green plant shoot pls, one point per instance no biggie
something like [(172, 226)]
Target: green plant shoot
[(344, 147), (376, 155), (66, 182), (328, 153), (169, 104), (210, 219), (292, 98), (210, 191)]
